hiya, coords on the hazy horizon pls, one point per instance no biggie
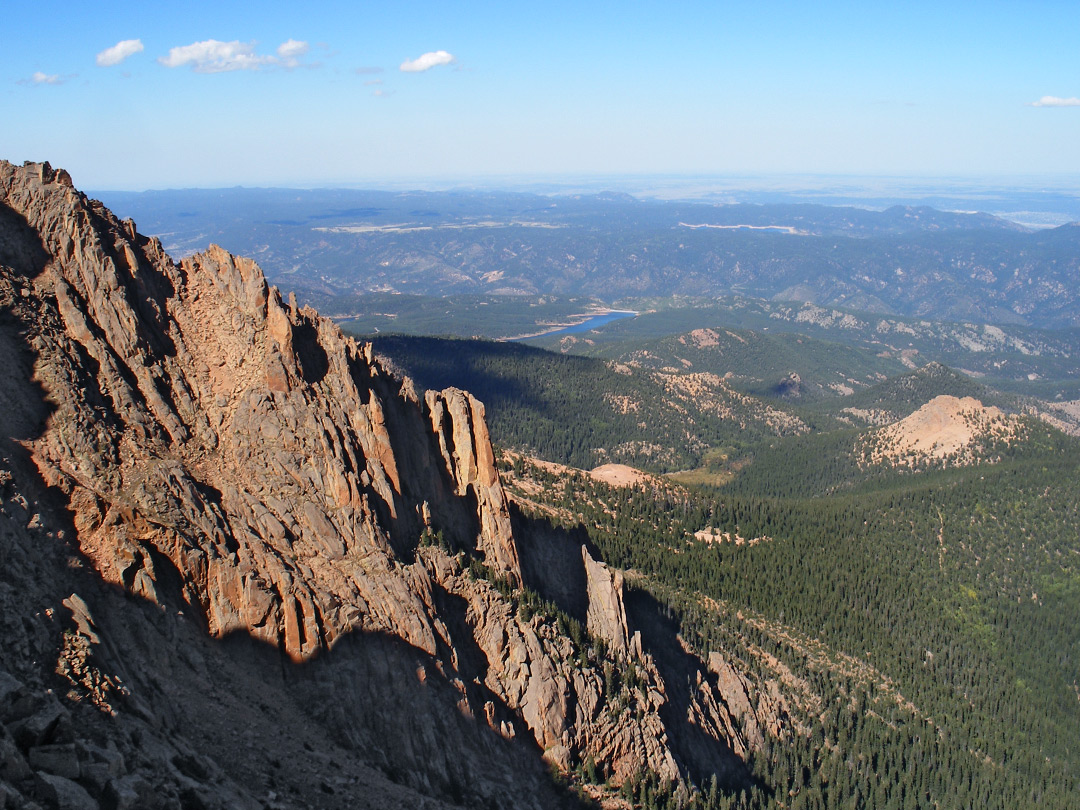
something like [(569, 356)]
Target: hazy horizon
[(1031, 201)]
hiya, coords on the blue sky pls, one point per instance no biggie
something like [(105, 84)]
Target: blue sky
[(224, 93)]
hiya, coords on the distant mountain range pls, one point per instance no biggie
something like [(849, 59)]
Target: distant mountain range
[(330, 245)]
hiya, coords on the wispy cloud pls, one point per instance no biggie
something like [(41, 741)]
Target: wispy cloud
[(371, 82), (45, 78), (1054, 101), (427, 61), (119, 52), (367, 71), (214, 56)]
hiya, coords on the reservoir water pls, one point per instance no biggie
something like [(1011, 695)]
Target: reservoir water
[(586, 325)]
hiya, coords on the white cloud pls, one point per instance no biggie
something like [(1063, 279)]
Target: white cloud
[(212, 56), (292, 48), (47, 78), (290, 51), (119, 52), (367, 71), (427, 61), (1054, 101)]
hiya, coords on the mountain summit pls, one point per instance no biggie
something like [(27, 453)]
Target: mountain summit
[(246, 566)]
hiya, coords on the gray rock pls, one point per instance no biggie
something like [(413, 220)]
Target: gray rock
[(59, 760), (63, 794), (9, 688), (110, 757), (13, 765), (41, 726), (95, 775), (128, 793)]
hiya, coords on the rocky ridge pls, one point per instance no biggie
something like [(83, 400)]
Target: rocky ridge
[(216, 507)]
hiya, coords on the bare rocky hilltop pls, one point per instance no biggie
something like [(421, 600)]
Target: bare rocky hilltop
[(947, 429), (244, 566)]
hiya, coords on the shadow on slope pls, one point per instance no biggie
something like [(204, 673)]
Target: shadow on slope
[(198, 722), (682, 671)]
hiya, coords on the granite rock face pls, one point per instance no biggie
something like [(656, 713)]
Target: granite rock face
[(607, 614), (240, 441), (227, 508)]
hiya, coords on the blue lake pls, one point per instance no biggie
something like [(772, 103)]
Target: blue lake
[(587, 324)]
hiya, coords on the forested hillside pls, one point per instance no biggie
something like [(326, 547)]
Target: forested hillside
[(832, 349), (587, 412), (916, 619), (923, 625)]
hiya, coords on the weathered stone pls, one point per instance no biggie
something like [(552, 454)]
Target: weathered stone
[(80, 612), (63, 794), (95, 776), (607, 615), (59, 760), (42, 725), (757, 712), (457, 419), (9, 688), (128, 793), (13, 765), (110, 757)]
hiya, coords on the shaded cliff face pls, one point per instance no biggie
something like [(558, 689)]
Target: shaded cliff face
[(318, 554)]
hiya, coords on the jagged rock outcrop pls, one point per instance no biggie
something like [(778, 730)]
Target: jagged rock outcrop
[(607, 614), (245, 471), (265, 456), (790, 387), (755, 718)]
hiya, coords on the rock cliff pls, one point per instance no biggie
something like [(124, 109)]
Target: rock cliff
[(244, 565)]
